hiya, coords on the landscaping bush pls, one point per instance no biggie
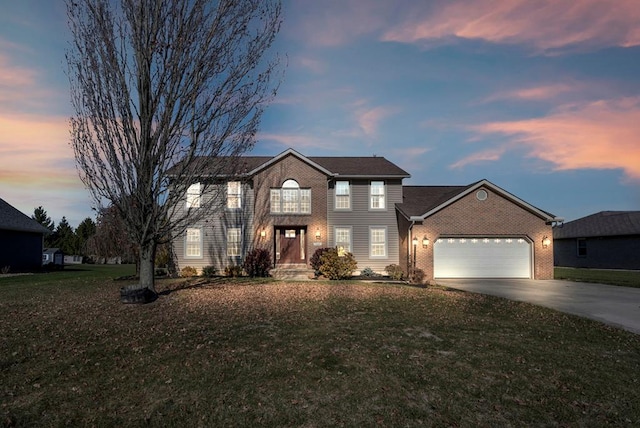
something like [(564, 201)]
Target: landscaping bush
[(188, 271), (315, 260), (395, 272), (233, 271), (209, 271), (257, 263), (417, 276), (368, 273), (334, 266)]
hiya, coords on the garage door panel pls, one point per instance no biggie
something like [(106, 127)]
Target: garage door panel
[(482, 258)]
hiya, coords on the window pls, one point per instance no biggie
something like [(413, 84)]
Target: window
[(378, 242), (377, 195), (343, 195), (234, 241), (234, 195), (193, 243), (290, 199), (582, 247), (343, 239), (193, 196)]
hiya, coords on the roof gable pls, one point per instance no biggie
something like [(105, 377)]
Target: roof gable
[(289, 152), (428, 200), (13, 219), (603, 223)]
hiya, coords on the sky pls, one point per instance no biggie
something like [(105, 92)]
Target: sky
[(540, 98)]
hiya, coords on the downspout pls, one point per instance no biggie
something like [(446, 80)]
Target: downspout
[(409, 251)]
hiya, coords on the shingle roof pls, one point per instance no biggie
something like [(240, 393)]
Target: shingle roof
[(604, 223), (373, 166), (12, 219), (418, 200)]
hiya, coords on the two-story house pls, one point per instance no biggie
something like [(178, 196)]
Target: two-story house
[(292, 205)]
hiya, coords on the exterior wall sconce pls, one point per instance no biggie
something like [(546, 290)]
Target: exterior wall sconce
[(425, 242), (546, 242), (318, 236), (414, 242), (263, 233)]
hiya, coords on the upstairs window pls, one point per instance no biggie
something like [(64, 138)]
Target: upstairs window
[(193, 196), (290, 199), (377, 195), (234, 195), (343, 195)]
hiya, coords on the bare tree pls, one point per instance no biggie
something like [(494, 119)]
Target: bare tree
[(157, 87)]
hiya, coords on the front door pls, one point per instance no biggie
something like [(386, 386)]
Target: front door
[(290, 245)]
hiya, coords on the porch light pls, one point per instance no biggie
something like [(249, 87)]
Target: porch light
[(425, 242), (546, 242), (318, 236), (414, 242), (263, 233)]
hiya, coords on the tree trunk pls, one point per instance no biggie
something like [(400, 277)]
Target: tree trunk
[(144, 291), (147, 266)]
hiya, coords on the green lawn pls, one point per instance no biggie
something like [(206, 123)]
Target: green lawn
[(628, 278), (302, 354)]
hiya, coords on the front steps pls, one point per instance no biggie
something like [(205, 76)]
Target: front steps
[(292, 272)]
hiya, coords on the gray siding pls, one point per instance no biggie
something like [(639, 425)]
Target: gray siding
[(214, 235), (360, 218)]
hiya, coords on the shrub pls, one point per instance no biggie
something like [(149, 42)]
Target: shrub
[(417, 276), (209, 271), (233, 271), (188, 271), (334, 266), (257, 263), (315, 261), (368, 273), (5, 270), (395, 272)]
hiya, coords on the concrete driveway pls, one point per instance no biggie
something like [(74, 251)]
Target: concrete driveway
[(617, 306)]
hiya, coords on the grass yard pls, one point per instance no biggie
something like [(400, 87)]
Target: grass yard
[(628, 278), (302, 354)]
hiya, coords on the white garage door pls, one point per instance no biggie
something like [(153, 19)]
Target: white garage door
[(482, 258)]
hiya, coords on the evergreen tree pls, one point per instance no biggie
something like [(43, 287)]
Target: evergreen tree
[(84, 232), (66, 238), (40, 215)]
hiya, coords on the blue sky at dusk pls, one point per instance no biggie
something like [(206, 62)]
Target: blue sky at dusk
[(541, 98)]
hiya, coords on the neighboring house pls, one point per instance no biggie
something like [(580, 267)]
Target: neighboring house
[(73, 259), (21, 240), (291, 205), (52, 256), (605, 240)]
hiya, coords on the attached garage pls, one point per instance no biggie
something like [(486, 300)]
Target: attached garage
[(482, 257)]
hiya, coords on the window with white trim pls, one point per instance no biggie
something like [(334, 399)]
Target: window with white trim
[(193, 196), (234, 195), (343, 239), (343, 195), (378, 242), (377, 195), (193, 243), (234, 241), (290, 199)]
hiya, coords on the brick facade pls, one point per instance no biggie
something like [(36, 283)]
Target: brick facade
[(495, 216)]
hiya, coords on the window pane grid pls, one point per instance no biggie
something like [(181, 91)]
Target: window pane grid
[(378, 242), (192, 248), (234, 194), (377, 195), (343, 197), (343, 239), (193, 196), (234, 241), (288, 200)]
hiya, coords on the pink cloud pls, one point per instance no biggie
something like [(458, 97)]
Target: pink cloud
[(597, 135), (368, 119), (547, 25), (536, 93)]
